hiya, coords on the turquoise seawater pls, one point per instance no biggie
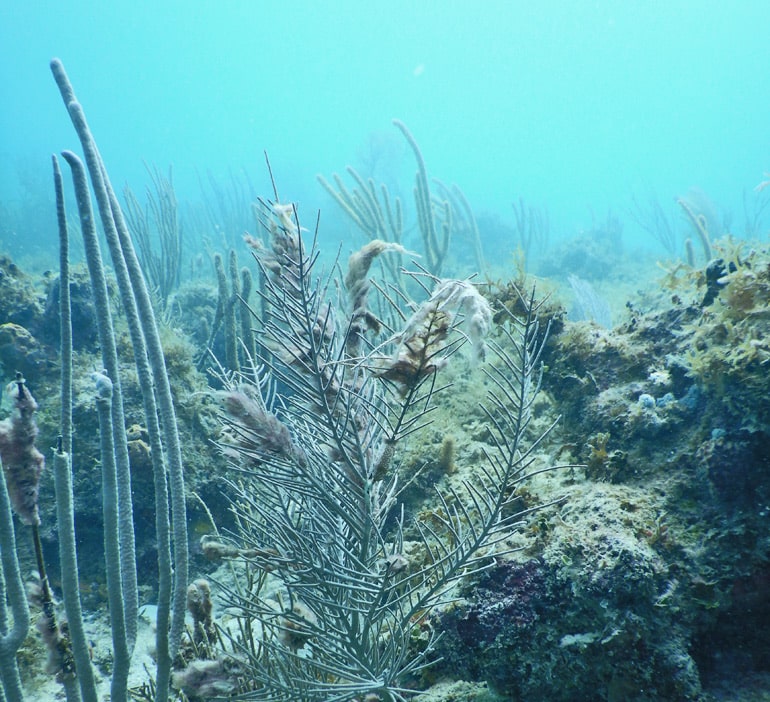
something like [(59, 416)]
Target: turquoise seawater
[(578, 106)]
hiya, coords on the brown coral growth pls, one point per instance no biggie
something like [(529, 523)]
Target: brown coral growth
[(22, 462)]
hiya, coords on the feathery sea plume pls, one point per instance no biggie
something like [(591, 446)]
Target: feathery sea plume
[(331, 593)]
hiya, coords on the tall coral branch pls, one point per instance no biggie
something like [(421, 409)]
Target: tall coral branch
[(314, 438)]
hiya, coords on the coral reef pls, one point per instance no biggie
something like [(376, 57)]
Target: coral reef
[(641, 582), (366, 567), (595, 254), (647, 581)]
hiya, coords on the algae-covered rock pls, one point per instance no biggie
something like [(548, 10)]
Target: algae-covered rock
[(20, 352), (459, 691), (597, 613), (19, 300), (647, 581)]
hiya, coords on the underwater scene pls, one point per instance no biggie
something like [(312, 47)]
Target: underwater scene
[(385, 351)]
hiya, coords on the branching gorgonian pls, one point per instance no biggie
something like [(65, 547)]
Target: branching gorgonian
[(334, 593)]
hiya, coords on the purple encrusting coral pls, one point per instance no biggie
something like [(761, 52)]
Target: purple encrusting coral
[(503, 605), (508, 595)]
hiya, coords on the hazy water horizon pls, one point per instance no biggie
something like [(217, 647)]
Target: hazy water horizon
[(577, 106)]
